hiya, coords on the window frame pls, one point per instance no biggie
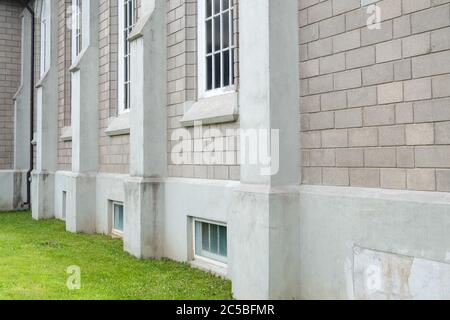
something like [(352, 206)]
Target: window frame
[(124, 78), (77, 28), (115, 231), (202, 55), (223, 262), (45, 35)]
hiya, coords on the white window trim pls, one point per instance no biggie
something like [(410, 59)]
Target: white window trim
[(77, 21), (121, 50), (45, 37), (114, 231), (201, 56), (203, 259)]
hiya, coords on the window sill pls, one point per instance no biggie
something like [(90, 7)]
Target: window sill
[(217, 109), (66, 134), (119, 125), (216, 269), (41, 81)]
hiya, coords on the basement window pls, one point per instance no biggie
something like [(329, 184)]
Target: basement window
[(210, 241), (118, 212)]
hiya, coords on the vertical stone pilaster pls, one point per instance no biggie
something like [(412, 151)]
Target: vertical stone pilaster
[(144, 195), (264, 227), (85, 84), (43, 177)]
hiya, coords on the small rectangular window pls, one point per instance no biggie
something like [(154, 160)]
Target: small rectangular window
[(210, 241), (118, 216)]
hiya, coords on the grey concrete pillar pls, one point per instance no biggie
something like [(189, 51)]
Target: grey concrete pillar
[(264, 227), (144, 195), (80, 216), (43, 177)]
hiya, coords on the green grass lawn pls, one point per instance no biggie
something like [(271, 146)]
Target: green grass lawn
[(34, 257)]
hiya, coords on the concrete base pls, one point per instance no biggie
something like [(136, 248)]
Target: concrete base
[(43, 188), (264, 232), (143, 227), (13, 190), (81, 204), (306, 243), (371, 243)]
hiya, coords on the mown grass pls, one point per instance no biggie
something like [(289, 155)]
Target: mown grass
[(34, 257)]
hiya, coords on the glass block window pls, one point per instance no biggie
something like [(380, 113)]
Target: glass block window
[(211, 241)]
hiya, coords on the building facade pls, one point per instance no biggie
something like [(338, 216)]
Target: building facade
[(300, 148)]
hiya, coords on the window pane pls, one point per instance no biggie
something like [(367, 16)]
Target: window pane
[(217, 33), (209, 71), (208, 8), (232, 67), (223, 241), (209, 36), (217, 73), (198, 239), (205, 236), (226, 68), (226, 30), (216, 6), (214, 238), (118, 217), (225, 4)]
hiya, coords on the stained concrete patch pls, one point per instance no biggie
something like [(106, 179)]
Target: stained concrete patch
[(380, 275)]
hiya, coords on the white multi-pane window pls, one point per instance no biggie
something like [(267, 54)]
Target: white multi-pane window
[(216, 46), (210, 241), (45, 37), (127, 20), (77, 28)]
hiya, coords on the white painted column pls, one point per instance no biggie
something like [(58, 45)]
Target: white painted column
[(144, 191), (264, 227), (80, 215), (43, 177)]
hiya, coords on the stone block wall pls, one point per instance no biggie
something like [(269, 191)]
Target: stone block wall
[(375, 103), (10, 68)]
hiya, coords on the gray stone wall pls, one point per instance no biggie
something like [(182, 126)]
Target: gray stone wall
[(10, 68), (375, 103)]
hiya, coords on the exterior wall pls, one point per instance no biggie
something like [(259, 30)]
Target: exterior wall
[(64, 83), (114, 151), (284, 240), (182, 91), (374, 107), (10, 67)]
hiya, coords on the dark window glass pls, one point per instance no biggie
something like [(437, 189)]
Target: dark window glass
[(209, 36), (209, 69), (217, 73), (208, 8), (226, 30), (217, 33), (226, 68), (216, 6)]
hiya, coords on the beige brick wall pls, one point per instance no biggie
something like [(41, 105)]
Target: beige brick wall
[(64, 82), (375, 104), (10, 43), (113, 151), (182, 87)]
